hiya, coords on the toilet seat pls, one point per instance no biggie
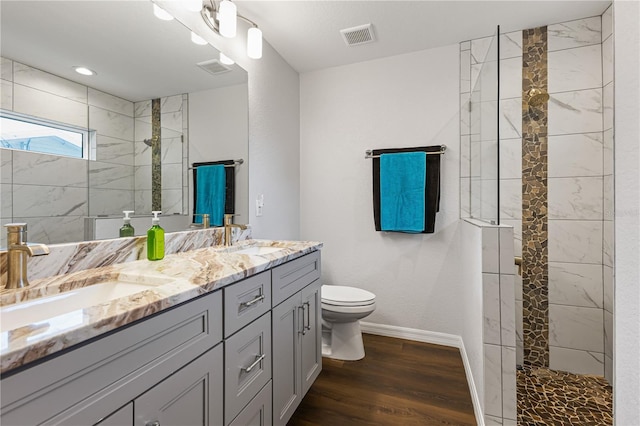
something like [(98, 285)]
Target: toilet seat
[(336, 295)]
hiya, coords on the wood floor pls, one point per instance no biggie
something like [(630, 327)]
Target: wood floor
[(399, 382)]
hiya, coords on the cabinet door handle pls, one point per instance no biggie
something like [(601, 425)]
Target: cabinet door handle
[(304, 327), (154, 423), (252, 366), (260, 298), (308, 309)]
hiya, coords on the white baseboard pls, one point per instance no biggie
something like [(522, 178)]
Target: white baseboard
[(435, 338)]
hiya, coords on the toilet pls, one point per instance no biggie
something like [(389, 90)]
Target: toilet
[(342, 309)]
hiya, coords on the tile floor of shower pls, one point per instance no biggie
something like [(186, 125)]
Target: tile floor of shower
[(548, 397)]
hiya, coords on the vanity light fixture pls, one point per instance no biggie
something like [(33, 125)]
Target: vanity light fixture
[(197, 39), (160, 13), (222, 18), (84, 71), (192, 5), (225, 59)]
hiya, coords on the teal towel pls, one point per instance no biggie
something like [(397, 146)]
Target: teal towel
[(402, 188), (211, 193)]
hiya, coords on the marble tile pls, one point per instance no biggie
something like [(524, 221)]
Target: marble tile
[(608, 334), (488, 160), (493, 380), (465, 156), (3, 235), (6, 165), (171, 121), (113, 150), (607, 105), (507, 311), (575, 112), (511, 198), (171, 103), (475, 149), (608, 205), (575, 284), (578, 241), (171, 149), (608, 152), (172, 201), (608, 243), (465, 197), (506, 250), (575, 155), (490, 250), (608, 369), (142, 109), (575, 198), (142, 201), (516, 224), (492, 420), (6, 69), (576, 327), (511, 118), (110, 176), (109, 123), (488, 127), (517, 279), (489, 200), (491, 308), (607, 277), (465, 117), (465, 71), (511, 77), (519, 331), (476, 198), (511, 45), (509, 402), (476, 69), (6, 95), (576, 361), (25, 75), (6, 203), (142, 178), (142, 154), (479, 49), (110, 201), (575, 69), (32, 168), (109, 102), (510, 158), (54, 229), (172, 176), (578, 33), (607, 23), (465, 45), (509, 422), (27, 100), (37, 200), (607, 61)]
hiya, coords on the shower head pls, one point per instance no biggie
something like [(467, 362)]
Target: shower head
[(147, 142), (537, 97)]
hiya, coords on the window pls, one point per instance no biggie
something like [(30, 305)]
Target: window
[(27, 133)]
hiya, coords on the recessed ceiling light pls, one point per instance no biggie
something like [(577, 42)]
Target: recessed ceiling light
[(84, 71), (160, 13)]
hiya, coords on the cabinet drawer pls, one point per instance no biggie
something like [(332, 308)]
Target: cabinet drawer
[(247, 356), (245, 301), (258, 411), (288, 279)]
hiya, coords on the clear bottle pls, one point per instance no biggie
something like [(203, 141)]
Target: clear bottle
[(127, 230), (155, 239)]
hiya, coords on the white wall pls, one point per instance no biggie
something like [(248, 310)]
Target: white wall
[(627, 212)]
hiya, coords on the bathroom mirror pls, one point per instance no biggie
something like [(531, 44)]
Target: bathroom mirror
[(137, 57)]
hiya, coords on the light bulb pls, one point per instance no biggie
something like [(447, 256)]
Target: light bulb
[(228, 18), (225, 59), (160, 13), (197, 39), (192, 5), (254, 43), (84, 71)]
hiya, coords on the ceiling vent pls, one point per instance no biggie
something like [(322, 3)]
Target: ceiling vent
[(358, 35), (214, 67)]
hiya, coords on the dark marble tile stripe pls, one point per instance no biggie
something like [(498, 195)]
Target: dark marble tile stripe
[(156, 156)]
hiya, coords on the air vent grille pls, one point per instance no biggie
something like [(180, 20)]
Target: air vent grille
[(214, 67), (358, 35)]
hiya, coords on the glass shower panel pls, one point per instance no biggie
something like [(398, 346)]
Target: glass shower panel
[(483, 113)]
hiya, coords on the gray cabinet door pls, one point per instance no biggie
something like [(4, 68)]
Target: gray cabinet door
[(122, 417), (190, 397), (287, 392), (311, 338), (258, 411)]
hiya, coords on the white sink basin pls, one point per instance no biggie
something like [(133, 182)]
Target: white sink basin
[(43, 309), (258, 250)]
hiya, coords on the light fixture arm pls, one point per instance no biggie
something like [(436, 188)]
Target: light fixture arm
[(209, 15)]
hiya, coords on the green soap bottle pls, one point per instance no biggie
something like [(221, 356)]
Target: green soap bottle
[(127, 230), (155, 239)]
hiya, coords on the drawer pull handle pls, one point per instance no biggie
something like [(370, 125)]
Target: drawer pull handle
[(155, 423), (256, 362), (253, 302)]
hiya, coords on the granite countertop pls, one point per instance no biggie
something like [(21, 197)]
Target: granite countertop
[(183, 276)]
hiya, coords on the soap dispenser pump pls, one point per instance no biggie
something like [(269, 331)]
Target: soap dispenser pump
[(155, 239), (127, 230)]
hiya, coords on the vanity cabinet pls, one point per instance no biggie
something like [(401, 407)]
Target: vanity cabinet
[(297, 334)]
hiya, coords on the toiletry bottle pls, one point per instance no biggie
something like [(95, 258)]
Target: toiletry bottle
[(127, 230), (155, 239)]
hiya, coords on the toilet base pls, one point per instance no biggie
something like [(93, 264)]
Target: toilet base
[(343, 341)]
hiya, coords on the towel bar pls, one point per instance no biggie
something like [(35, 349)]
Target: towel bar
[(235, 163), (369, 153)]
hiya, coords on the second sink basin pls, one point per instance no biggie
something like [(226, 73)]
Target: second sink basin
[(45, 308)]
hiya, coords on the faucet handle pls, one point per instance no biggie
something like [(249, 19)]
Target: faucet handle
[(16, 233)]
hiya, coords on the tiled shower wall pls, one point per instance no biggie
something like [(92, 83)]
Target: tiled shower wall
[(580, 186)]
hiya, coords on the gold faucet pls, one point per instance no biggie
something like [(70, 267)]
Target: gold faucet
[(17, 254), (227, 228)]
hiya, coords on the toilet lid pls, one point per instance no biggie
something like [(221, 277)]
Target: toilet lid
[(346, 296)]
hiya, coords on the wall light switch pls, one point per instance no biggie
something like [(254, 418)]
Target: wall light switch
[(259, 205)]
